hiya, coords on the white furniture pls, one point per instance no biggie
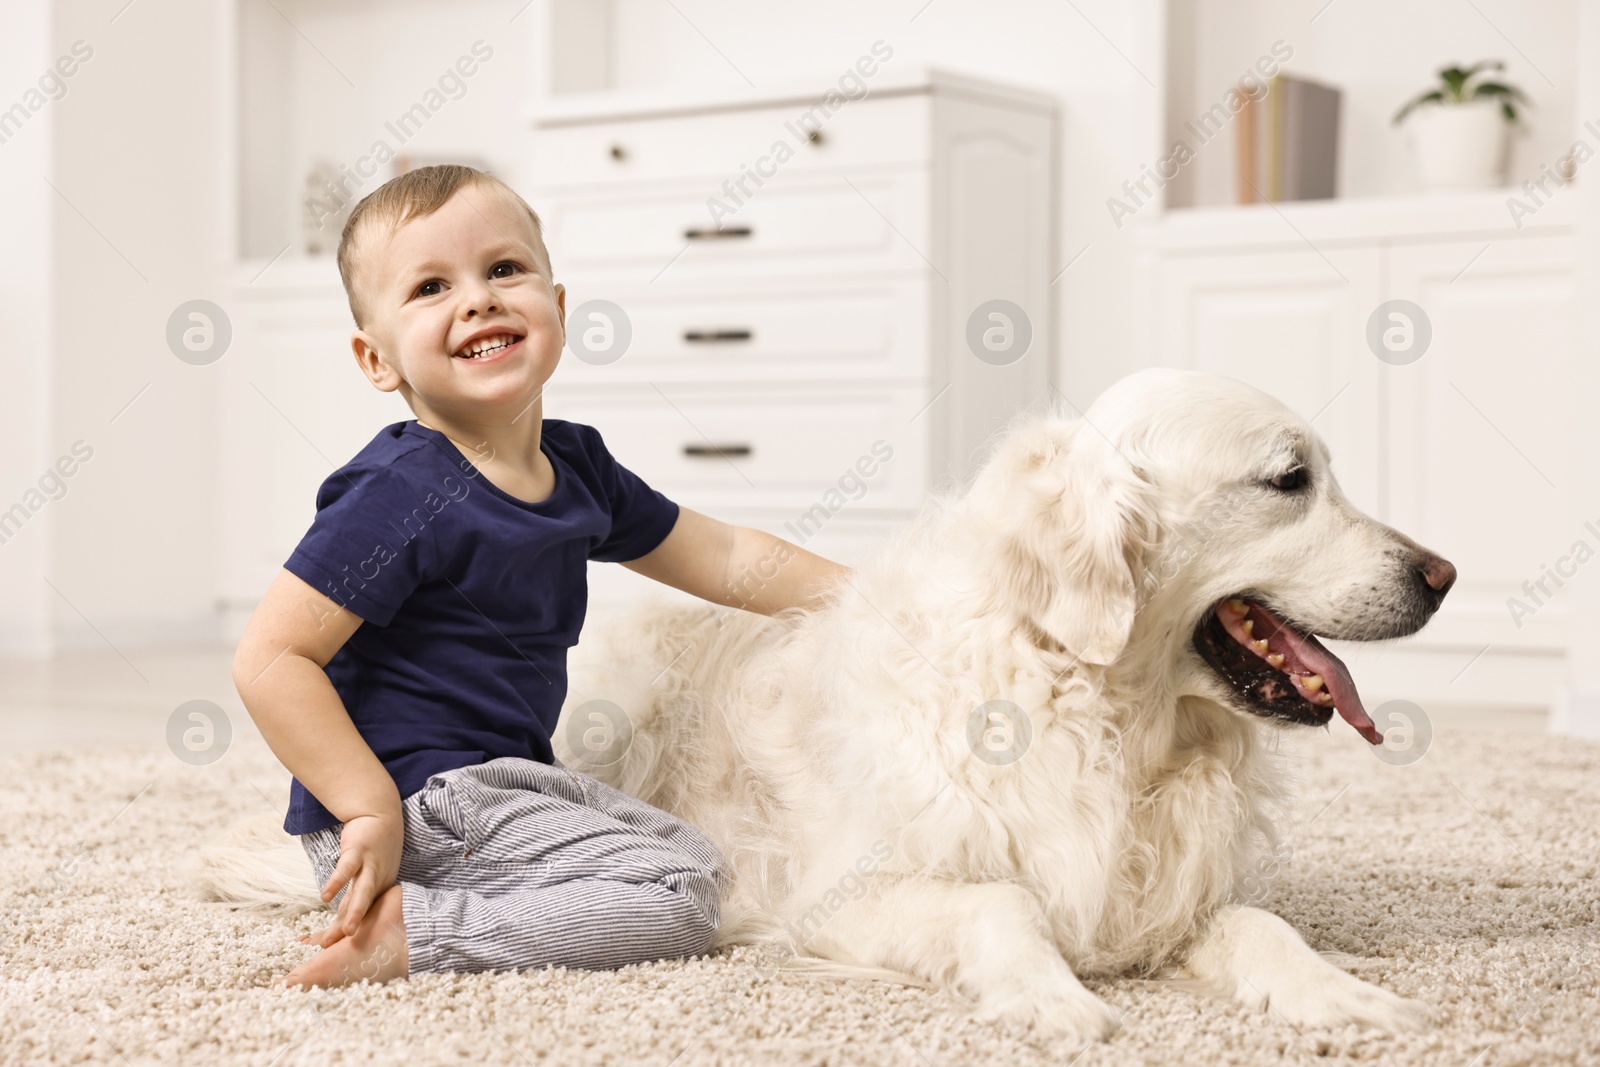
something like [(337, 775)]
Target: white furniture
[(796, 281), (1463, 449)]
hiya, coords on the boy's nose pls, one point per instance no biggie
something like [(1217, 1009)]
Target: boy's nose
[(481, 303)]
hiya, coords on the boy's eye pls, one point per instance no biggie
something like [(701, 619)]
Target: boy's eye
[(429, 288), (503, 269)]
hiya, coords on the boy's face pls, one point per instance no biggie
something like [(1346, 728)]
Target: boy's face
[(469, 276)]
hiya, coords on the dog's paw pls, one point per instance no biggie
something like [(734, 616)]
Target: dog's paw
[(1069, 1014), (1334, 998)]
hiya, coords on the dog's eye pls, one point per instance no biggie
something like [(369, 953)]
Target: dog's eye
[(1289, 481)]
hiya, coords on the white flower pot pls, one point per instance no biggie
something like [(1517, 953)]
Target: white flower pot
[(1460, 146)]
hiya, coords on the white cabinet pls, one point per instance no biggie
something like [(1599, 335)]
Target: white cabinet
[(1479, 427), (1461, 448), (798, 286)]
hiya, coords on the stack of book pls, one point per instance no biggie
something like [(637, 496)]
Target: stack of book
[(1288, 144)]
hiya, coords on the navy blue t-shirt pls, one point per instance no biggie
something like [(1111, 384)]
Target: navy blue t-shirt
[(470, 596)]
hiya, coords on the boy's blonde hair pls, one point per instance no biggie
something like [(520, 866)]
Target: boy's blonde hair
[(415, 194)]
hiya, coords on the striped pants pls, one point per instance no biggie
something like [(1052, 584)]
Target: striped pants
[(515, 864)]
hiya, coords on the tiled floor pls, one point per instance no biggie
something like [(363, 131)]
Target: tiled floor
[(93, 699)]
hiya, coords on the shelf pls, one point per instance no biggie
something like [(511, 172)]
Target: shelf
[(1360, 221)]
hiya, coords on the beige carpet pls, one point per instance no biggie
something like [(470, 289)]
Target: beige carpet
[(1466, 879)]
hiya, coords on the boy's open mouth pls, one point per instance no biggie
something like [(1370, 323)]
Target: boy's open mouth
[(486, 346)]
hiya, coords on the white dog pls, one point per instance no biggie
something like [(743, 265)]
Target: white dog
[(1029, 740)]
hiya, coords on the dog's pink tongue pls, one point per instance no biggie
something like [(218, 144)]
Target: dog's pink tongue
[(1308, 651)]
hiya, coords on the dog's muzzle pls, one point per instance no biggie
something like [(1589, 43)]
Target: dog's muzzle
[(1280, 670)]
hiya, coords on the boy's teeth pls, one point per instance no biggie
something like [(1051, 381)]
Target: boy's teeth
[(487, 345)]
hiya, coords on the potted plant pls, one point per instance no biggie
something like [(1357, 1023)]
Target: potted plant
[(1461, 130)]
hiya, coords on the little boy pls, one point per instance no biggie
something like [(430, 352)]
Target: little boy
[(425, 788)]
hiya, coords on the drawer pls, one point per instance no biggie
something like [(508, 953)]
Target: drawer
[(731, 145), (876, 329), (806, 453), (870, 222)]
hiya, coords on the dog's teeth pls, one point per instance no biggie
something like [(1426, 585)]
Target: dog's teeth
[(1239, 606), (1249, 626), (1276, 659), (1311, 682), (1261, 645)]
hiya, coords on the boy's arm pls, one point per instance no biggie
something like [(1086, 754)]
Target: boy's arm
[(278, 670), (738, 566)]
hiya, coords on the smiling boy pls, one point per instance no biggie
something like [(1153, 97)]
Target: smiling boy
[(408, 663)]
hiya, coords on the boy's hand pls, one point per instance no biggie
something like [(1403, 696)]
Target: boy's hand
[(369, 859)]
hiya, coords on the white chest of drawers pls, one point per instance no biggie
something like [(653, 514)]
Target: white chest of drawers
[(797, 278)]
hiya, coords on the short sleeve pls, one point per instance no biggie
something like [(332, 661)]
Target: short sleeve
[(641, 517), (371, 544)]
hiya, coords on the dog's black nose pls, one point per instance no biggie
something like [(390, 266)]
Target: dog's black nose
[(1438, 574)]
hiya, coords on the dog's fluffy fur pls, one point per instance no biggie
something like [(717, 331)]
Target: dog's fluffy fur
[(842, 758), (833, 755)]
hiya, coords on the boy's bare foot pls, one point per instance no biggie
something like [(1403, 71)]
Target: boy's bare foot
[(377, 950)]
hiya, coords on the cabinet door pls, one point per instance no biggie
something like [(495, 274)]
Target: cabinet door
[(1478, 428), (1293, 324)]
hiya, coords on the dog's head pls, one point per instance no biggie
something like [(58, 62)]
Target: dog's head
[(1194, 518)]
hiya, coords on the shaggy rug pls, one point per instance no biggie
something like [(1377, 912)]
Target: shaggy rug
[(1465, 878)]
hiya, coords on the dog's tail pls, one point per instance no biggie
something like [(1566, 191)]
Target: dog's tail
[(254, 865)]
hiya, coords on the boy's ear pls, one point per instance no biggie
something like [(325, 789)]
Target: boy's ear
[(374, 366), (561, 306)]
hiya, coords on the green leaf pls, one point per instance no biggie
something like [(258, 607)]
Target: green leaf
[(1434, 97), (1458, 88), (1499, 89)]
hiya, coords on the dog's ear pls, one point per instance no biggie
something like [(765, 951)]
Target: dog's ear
[(1068, 516)]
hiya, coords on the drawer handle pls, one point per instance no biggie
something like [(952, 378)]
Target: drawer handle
[(700, 233), (708, 337), (703, 451)]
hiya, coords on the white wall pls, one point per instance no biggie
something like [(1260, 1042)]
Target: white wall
[(1381, 54), (27, 437), (1577, 710), (136, 155)]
